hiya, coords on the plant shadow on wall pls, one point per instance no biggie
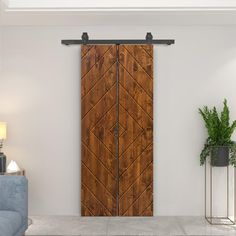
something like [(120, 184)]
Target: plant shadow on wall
[(219, 146)]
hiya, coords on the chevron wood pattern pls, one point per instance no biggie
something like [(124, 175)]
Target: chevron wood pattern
[(136, 149), (98, 114), (117, 179)]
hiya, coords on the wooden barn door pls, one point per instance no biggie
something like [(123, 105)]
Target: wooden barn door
[(116, 98), (98, 108), (136, 141)]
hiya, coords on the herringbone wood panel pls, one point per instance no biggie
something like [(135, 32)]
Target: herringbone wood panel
[(102, 195), (98, 99), (136, 111)]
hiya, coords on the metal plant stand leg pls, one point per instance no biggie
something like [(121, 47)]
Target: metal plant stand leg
[(211, 219)]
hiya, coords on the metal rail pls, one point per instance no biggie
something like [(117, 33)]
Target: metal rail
[(85, 40)]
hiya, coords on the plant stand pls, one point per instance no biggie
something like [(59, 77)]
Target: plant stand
[(226, 202)]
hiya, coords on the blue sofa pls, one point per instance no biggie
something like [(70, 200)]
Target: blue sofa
[(13, 205)]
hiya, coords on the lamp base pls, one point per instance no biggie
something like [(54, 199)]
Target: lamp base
[(2, 162)]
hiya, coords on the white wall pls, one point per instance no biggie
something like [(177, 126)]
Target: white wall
[(0, 49), (39, 99)]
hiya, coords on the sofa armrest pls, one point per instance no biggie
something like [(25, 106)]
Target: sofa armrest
[(14, 195)]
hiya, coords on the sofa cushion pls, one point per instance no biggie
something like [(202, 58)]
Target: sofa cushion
[(10, 223)]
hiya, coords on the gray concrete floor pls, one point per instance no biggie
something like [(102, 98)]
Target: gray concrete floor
[(114, 226)]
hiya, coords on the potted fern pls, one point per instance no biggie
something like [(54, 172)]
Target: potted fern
[(218, 145)]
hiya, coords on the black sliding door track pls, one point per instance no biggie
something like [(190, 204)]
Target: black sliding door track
[(85, 40)]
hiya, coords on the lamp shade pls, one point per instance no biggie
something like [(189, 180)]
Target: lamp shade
[(3, 130)]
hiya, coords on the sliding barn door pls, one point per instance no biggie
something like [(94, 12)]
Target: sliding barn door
[(136, 124), (116, 98), (98, 108)]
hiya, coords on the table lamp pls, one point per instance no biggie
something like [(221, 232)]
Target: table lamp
[(3, 136)]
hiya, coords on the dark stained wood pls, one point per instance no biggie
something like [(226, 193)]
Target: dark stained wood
[(92, 73), (136, 91), (85, 51), (148, 49), (141, 56), (131, 127), (107, 81), (99, 107), (136, 144), (94, 54), (136, 71), (98, 114)]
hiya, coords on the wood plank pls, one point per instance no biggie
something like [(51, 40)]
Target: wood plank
[(148, 49), (98, 91), (97, 168), (97, 112), (85, 50), (141, 186), (98, 163), (148, 211), (138, 114), (102, 153), (136, 71), (136, 110), (142, 57), (131, 127), (96, 72), (139, 173), (86, 211), (102, 195), (103, 130), (92, 56), (136, 91), (130, 167), (92, 204), (141, 206)]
